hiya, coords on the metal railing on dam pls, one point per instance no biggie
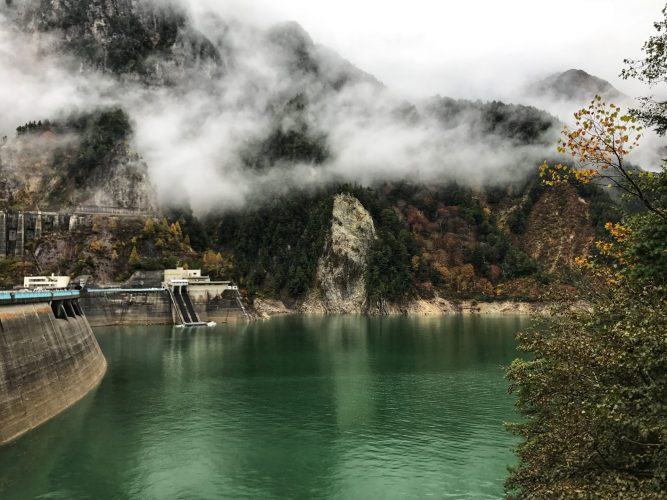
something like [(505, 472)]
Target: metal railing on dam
[(32, 296), (128, 212)]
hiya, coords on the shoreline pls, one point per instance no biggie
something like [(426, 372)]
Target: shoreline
[(267, 308)]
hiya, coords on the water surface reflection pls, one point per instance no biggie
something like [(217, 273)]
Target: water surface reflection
[(337, 407)]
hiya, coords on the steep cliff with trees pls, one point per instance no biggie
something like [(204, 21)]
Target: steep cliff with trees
[(150, 41), (81, 159)]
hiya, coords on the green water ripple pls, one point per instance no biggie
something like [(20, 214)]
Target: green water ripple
[(295, 407)]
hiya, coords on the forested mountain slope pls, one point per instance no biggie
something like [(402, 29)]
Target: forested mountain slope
[(348, 197)]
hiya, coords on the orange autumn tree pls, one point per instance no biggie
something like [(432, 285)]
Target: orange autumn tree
[(598, 144), (592, 393)]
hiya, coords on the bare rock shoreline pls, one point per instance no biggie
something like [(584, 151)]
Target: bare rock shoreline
[(267, 308)]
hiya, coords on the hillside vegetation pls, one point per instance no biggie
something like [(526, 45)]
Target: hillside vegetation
[(505, 238)]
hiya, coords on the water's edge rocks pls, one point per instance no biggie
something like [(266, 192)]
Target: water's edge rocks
[(46, 365), (438, 306)]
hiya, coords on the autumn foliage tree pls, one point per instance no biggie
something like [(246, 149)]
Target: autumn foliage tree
[(594, 392), (651, 70), (134, 258), (599, 143)]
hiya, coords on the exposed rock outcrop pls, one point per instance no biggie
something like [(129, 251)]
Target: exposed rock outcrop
[(341, 271), (575, 85), (559, 229), (36, 172), (141, 40), (265, 308), (124, 184)]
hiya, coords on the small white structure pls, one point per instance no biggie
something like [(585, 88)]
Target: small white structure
[(52, 282), (182, 274)]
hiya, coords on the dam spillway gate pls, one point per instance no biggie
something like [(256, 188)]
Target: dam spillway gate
[(183, 307)]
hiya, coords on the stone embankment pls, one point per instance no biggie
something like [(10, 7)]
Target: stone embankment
[(46, 365)]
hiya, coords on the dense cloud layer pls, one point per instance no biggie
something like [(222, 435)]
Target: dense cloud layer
[(197, 133), (473, 49), (33, 87)]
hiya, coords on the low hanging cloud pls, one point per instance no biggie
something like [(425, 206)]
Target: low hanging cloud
[(653, 148), (196, 137), (34, 87), (195, 133)]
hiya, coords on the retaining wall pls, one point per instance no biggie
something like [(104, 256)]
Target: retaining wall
[(127, 308), (154, 308), (46, 365), (212, 304)]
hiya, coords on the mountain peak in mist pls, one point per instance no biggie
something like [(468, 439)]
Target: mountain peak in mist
[(574, 85), (301, 55), (290, 35)]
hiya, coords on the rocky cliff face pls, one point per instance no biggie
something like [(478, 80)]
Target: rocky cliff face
[(35, 173), (125, 184), (151, 41), (341, 270)]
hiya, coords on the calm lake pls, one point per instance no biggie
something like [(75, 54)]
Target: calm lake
[(295, 407)]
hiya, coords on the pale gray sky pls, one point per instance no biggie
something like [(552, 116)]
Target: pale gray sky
[(466, 48)]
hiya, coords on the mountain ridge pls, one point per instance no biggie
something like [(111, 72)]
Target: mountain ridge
[(462, 231), (575, 85)]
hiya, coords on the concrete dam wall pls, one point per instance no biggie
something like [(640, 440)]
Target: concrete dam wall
[(211, 305), (108, 308), (127, 308), (47, 363)]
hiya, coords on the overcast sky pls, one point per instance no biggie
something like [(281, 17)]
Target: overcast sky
[(469, 48)]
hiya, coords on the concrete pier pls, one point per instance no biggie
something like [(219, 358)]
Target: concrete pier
[(3, 235), (20, 236), (153, 306)]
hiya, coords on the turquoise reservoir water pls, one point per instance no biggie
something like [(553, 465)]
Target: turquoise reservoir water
[(295, 407)]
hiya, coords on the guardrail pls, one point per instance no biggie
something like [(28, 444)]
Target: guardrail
[(122, 290), (18, 297), (89, 210)]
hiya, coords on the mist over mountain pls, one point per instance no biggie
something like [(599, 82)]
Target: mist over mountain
[(238, 111), (575, 85), (253, 140), (562, 94)]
